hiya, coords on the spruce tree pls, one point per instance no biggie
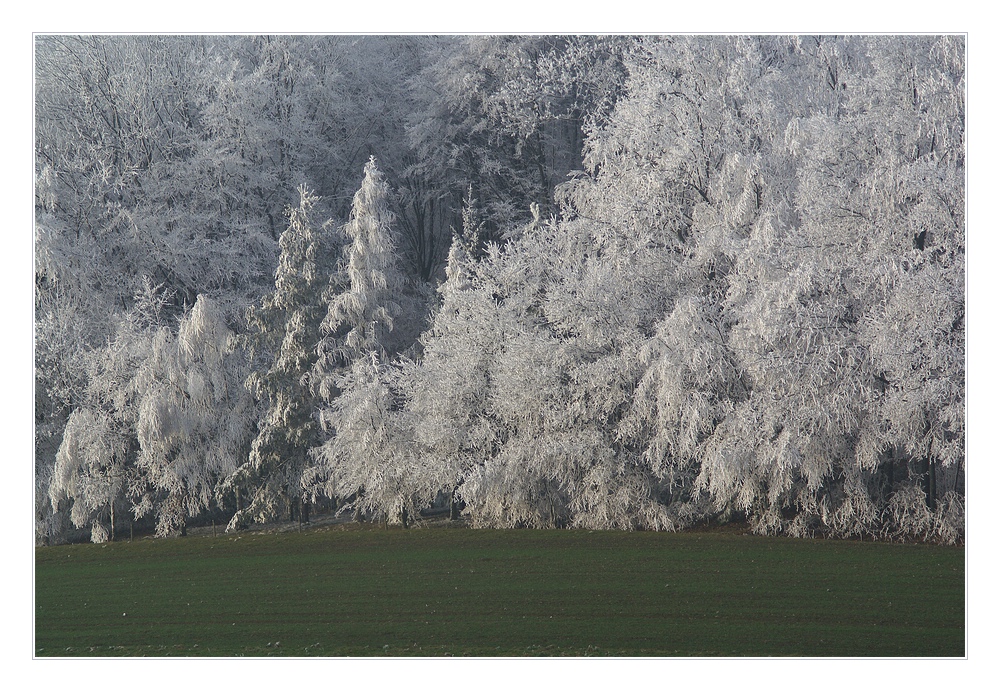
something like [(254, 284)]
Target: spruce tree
[(354, 375), (282, 337), (360, 316)]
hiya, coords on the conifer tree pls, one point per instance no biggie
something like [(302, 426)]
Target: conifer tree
[(353, 353), (360, 317), (283, 333)]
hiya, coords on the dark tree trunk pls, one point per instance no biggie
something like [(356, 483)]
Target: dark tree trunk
[(358, 515), (925, 475), (888, 476), (930, 485)]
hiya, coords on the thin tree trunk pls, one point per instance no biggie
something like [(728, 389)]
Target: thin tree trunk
[(358, 515), (925, 481), (931, 485), (888, 476)]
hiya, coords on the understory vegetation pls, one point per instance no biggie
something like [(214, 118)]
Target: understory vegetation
[(592, 282)]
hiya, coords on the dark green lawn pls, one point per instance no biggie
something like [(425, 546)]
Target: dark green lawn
[(364, 591)]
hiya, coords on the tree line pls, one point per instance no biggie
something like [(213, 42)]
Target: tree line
[(631, 282)]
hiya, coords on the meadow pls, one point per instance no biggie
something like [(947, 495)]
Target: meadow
[(363, 590)]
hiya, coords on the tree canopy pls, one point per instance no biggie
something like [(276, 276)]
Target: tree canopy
[(632, 282)]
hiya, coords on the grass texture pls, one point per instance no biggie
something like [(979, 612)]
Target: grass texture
[(350, 590)]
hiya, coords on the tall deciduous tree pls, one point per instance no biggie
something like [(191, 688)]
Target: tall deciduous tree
[(95, 477), (525, 374), (195, 417), (506, 115), (769, 379)]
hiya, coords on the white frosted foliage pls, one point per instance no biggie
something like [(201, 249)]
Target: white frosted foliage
[(194, 416)]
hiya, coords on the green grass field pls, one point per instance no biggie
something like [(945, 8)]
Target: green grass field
[(350, 590)]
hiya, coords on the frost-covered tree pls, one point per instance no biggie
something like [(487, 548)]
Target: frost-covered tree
[(915, 236), (370, 459), (507, 114), (195, 417), (525, 373), (360, 459), (62, 344), (762, 383), (91, 472), (359, 318), (578, 298), (95, 477), (133, 178), (281, 341), (446, 391)]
